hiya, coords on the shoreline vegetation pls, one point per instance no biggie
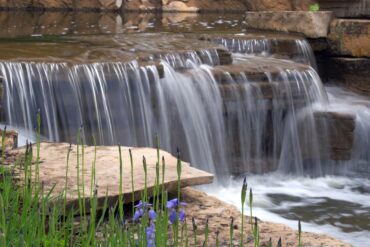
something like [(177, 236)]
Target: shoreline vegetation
[(32, 216)]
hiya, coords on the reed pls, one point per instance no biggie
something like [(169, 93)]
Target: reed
[(31, 216)]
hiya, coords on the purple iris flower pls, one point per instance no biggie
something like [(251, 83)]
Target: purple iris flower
[(152, 214), (150, 235), (142, 205), (182, 215), (172, 216), (174, 203), (138, 214)]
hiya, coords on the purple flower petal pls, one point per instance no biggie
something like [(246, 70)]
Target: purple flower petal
[(138, 214), (142, 205), (182, 215), (139, 205), (172, 216), (150, 235), (152, 214), (172, 203)]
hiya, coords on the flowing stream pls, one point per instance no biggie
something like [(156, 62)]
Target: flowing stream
[(256, 117)]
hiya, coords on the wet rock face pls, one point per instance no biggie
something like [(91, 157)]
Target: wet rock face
[(353, 73), (350, 37), (311, 24)]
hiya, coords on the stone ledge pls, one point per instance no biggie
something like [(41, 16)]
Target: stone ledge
[(350, 37), (311, 24), (53, 171)]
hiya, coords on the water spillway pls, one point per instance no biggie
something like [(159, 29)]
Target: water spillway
[(229, 116)]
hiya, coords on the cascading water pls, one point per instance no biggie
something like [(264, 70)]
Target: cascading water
[(299, 49), (129, 104), (263, 124)]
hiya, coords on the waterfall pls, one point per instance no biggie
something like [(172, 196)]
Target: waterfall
[(130, 104), (299, 49)]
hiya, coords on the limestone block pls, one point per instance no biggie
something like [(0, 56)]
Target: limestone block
[(311, 24), (350, 37), (107, 167)]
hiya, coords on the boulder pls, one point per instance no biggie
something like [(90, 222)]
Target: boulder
[(350, 37), (178, 6), (311, 24)]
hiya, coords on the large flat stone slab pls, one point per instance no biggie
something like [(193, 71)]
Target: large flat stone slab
[(311, 24), (53, 171), (350, 37)]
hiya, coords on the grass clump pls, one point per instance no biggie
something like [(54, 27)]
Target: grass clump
[(31, 216)]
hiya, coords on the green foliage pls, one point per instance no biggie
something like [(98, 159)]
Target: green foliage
[(29, 215), (315, 7)]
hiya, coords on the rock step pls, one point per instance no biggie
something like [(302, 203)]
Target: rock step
[(53, 172), (212, 56), (278, 45), (311, 24), (350, 37), (255, 69), (340, 127)]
